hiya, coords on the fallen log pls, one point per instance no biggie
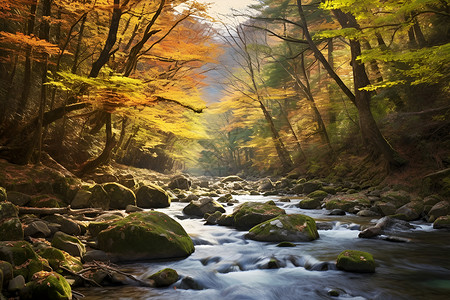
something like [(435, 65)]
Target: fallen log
[(59, 210)]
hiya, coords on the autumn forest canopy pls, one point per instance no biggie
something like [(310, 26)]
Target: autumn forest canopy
[(325, 88)]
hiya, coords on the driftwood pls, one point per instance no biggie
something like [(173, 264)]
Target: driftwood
[(62, 210), (111, 270)]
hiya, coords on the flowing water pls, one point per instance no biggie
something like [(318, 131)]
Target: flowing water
[(228, 266)]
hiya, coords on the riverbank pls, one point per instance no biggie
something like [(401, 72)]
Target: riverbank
[(36, 200)]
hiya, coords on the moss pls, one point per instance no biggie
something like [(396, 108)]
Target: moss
[(398, 198), (58, 258), (120, 196), (286, 244), (68, 243), (11, 230), (296, 228), (149, 234), (250, 214), (3, 195), (95, 227), (442, 222), (309, 203), (22, 257), (164, 277), (46, 201), (356, 261), (320, 195), (48, 285), (347, 202)]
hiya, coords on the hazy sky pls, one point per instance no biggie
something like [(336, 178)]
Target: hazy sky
[(224, 6)]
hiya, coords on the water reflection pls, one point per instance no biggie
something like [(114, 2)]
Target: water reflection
[(227, 266)]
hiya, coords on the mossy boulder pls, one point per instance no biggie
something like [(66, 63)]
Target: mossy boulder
[(58, 258), (103, 222), (410, 211), (181, 182), (47, 285), (347, 202), (385, 209), (68, 243), (3, 194), (356, 261), (249, 214), (398, 198), (443, 222), (49, 201), (152, 196), (11, 229), (99, 197), (292, 228), (22, 257), (18, 198), (8, 210), (231, 178), (164, 277), (120, 196), (319, 195), (311, 186), (146, 235), (203, 206), (6, 270), (309, 203), (441, 208)]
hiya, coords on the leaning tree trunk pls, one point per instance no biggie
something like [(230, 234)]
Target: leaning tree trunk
[(369, 129), (282, 152)]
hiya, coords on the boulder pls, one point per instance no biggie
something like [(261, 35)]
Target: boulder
[(249, 214), (319, 195), (22, 257), (68, 243), (3, 194), (443, 222), (203, 206), (231, 178), (81, 199), (152, 196), (8, 210), (6, 270), (385, 209), (37, 229), (180, 182), (99, 197), (311, 186), (410, 211), (16, 284), (68, 225), (132, 209), (347, 202), (309, 203), (265, 185), (49, 201), (58, 258), (441, 208), (212, 219), (47, 285), (398, 198), (356, 261), (164, 277), (119, 195), (18, 198), (11, 229), (367, 213), (292, 228), (370, 232), (145, 235)]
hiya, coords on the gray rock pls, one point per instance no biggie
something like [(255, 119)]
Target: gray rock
[(132, 208), (68, 226), (81, 199), (266, 185), (337, 212), (441, 208), (68, 243), (203, 206), (370, 232), (37, 229), (367, 213), (180, 182), (152, 196), (16, 284), (18, 199)]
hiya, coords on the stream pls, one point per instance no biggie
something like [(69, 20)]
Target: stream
[(228, 266)]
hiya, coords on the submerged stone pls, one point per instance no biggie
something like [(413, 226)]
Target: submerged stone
[(294, 228), (356, 261), (164, 277)]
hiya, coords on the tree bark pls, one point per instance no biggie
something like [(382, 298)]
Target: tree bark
[(369, 129)]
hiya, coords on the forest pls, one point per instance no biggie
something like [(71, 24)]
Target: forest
[(112, 107)]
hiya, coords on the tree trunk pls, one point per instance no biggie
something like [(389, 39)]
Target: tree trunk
[(105, 156), (27, 70), (110, 41), (369, 129), (76, 56), (282, 152)]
